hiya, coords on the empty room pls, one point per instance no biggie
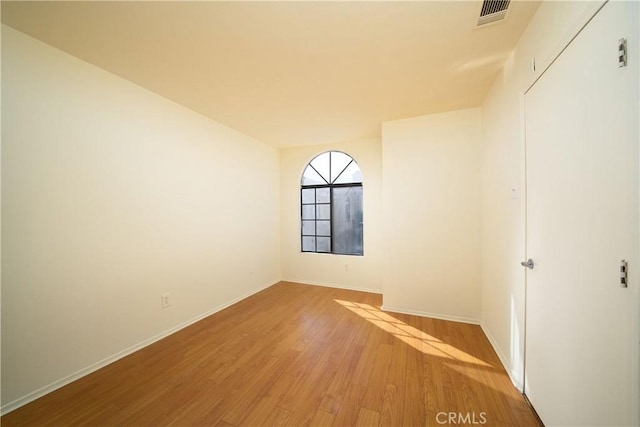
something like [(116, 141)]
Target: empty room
[(325, 213)]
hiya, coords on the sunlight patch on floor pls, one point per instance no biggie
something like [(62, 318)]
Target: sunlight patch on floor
[(410, 335)]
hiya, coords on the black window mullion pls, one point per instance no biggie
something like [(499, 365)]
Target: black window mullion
[(315, 217), (331, 218), (355, 184), (345, 168), (319, 174)]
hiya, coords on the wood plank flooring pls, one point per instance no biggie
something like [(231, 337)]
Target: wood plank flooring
[(296, 355)]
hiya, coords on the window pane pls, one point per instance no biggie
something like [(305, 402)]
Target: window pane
[(308, 228), (321, 164), (350, 175), (323, 228), (324, 244), (324, 211), (311, 177), (308, 244), (339, 161), (308, 195), (308, 211), (347, 220), (322, 195)]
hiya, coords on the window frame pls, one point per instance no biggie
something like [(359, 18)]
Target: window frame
[(330, 187)]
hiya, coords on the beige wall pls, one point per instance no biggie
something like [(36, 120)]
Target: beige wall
[(111, 196), (354, 272), (432, 215), (503, 287)]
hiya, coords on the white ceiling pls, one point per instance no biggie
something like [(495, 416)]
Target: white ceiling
[(293, 72)]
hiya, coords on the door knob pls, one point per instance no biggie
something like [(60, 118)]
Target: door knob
[(528, 263)]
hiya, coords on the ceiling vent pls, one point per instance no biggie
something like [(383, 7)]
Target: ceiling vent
[(492, 11)]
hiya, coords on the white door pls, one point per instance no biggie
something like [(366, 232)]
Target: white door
[(582, 220)]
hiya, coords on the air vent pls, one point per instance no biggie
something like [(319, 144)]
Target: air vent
[(492, 11)]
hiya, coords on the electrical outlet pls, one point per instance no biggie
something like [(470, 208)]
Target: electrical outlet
[(165, 300)]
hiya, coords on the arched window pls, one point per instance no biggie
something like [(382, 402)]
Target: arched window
[(331, 205)]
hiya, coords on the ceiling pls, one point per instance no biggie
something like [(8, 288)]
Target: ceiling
[(292, 72)]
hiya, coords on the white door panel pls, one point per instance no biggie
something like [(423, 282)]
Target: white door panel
[(582, 220)]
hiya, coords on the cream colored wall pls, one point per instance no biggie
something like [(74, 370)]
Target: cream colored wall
[(344, 271), (111, 196), (503, 219), (432, 215)]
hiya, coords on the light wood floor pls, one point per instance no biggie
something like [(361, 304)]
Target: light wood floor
[(297, 355)]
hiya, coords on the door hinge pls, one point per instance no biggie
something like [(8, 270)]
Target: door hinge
[(622, 53), (623, 274)]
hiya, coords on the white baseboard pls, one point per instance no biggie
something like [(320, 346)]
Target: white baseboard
[(432, 315), (503, 359), (333, 285), (30, 397)]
